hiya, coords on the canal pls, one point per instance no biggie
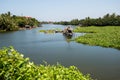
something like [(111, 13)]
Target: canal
[(102, 63)]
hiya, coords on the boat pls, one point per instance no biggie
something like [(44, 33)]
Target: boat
[(68, 32)]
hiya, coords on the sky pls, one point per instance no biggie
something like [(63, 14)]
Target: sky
[(60, 10)]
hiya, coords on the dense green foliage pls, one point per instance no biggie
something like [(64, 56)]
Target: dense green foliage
[(107, 20), (7, 22), (72, 22), (13, 66), (10, 22), (102, 36)]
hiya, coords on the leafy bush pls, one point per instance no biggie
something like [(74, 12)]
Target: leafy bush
[(13, 66), (7, 23), (10, 22)]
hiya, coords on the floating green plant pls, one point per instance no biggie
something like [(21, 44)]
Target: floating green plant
[(101, 36)]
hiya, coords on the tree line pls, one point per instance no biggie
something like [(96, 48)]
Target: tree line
[(106, 20), (10, 22)]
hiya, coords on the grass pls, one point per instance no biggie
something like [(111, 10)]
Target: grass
[(108, 36)]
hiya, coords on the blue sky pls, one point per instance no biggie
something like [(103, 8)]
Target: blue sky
[(60, 10)]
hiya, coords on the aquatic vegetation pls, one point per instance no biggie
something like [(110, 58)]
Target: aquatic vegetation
[(51, 30), (101, 36), (13, 66), (47, 31)]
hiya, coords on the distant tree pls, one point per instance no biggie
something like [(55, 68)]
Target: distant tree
[(74, 22), (106, 20), (117, 23), (6, 22), (10, 22), (86, 22)]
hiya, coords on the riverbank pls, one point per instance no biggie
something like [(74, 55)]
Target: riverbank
[(2, 30), (54, 48), (100, 36), (20, 29)]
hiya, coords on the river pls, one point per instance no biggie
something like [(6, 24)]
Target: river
[(102, 63)]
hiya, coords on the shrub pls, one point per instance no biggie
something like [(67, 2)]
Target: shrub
[(13, 66)]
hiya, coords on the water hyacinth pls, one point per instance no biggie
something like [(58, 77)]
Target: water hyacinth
[(51, 30), (101, 36)]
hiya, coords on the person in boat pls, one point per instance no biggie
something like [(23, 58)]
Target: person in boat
[(68, 31)]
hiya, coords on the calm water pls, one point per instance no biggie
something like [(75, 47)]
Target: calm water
[(101, 63)]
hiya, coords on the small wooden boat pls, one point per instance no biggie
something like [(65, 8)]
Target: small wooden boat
[(68, 31)]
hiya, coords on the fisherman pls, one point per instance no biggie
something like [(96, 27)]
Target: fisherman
[(68, 31)]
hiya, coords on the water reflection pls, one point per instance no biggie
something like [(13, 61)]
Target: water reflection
[(68, 38)]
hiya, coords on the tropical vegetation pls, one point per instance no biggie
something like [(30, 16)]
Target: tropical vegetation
[(106, 20), (13, 66), (101, 36), (9, 22)]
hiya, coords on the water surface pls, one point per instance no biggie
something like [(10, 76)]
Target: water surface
[(102, 63)]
